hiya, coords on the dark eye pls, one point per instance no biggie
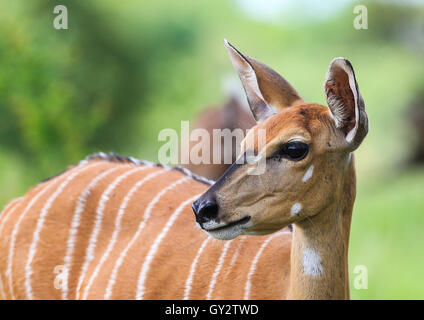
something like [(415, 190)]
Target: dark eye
[(294, 151)]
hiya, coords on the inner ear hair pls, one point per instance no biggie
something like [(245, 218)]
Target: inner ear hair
[(341, 99), (345, 102)]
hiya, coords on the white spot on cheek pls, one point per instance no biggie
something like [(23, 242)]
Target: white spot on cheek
[(308, 173), (295, 209), (312, 262)]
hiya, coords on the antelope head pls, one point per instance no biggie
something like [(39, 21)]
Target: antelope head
[(307, 152)]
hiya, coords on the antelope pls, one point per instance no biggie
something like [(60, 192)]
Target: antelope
[(114, 227), (232, 115)]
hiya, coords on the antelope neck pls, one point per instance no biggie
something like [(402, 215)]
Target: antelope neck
[(319, 255)]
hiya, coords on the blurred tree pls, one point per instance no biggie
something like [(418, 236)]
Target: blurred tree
[(66, 93), (402, 22), (415, 112)]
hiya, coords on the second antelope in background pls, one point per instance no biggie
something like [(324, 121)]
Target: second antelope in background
[(234, 114)]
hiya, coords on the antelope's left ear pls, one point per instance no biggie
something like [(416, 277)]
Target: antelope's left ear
[(345, 102)]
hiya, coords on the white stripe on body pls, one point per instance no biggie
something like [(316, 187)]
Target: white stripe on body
[(9, 205), (79, 209), (115, 234), (40, 224), (218, 270), (16, 229), (89, 255), (7, 214), (255, 262), (237, 253), (193, 269), (141, 226), (153, 249), (4, 215)]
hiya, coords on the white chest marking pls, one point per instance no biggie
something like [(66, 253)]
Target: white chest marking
[(295, 209), (312, 262), (308, 173)]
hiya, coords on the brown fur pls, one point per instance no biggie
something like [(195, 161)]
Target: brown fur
[(315, 193), (170, 267), (263, 267)]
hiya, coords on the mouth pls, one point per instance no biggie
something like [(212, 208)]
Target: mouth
[(231, 224), (229, 230)]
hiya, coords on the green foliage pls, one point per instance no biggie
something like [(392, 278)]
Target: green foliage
[(67, 93)]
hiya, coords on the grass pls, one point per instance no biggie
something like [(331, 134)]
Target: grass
[(387, 236)]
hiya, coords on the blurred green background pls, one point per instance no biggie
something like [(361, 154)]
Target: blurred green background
[(125, 70)]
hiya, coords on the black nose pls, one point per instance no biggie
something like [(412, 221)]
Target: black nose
[(205, 209)]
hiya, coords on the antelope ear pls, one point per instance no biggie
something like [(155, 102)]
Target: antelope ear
[(265, 88), (345, 102)]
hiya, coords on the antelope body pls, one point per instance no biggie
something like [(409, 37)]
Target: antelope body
[(114, 225), (117, 228)]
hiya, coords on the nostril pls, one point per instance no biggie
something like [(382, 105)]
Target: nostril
[(209, 210), (205, 210)]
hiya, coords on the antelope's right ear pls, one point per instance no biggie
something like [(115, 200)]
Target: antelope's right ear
[(265, 88), (345, 102)]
